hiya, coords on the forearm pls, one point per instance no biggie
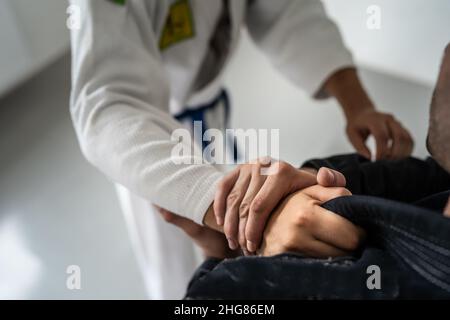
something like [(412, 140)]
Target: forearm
[(120, 110), (348, 90)]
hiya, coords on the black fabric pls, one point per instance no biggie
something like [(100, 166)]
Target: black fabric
[(410, 244), (405, 180)]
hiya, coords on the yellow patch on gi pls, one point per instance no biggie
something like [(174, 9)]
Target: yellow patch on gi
[(179, 25)]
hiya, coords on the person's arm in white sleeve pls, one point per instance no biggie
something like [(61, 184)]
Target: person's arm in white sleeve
[(119, 107), (300, 40), (307, 47)]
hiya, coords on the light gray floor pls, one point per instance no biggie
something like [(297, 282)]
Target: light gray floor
[(56, 210)]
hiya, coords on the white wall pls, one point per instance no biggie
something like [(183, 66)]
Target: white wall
[(410, 42), (33, 34), (262, 98)]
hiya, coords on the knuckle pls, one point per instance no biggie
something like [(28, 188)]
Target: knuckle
[(303, 219), (283, 168), (232, 198), (256, 167), (257, 206), (283, 165), (244, 209)]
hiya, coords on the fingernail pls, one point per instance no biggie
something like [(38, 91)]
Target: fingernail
[(251, 246), (331, 176), (219, 221), (232, 244)]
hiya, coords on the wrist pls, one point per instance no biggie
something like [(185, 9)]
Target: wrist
[(351, 112)]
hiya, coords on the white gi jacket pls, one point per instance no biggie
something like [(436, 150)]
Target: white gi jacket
[(135, 63)]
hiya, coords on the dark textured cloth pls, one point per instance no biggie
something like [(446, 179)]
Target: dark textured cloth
[(410, 244), (407, 180)]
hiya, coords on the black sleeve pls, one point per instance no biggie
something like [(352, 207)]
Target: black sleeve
[(405, 180), (206, 267)]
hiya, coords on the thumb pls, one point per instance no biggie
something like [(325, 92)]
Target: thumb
[(330, 178), (358, 141)]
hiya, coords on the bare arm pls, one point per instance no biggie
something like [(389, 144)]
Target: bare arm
[(363, 119)]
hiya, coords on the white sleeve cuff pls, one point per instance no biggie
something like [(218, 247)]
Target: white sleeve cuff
[(206, 192)]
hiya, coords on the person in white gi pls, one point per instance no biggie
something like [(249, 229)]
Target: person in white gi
[(142, 67)]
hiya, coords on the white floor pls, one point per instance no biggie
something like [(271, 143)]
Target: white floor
[(56, 211)]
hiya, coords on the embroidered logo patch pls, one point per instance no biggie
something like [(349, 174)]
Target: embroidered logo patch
[(179, 25)]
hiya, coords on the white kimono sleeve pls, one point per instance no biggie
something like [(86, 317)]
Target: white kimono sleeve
[(119, 107), (300, 40)]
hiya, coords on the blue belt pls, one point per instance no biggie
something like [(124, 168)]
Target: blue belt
[(196, 114)]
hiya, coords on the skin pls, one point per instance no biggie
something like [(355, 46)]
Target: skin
[(393, 141), (298, 224), (212, 243), (245, 199), (252, 197), (439, 134), (447, 210)]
